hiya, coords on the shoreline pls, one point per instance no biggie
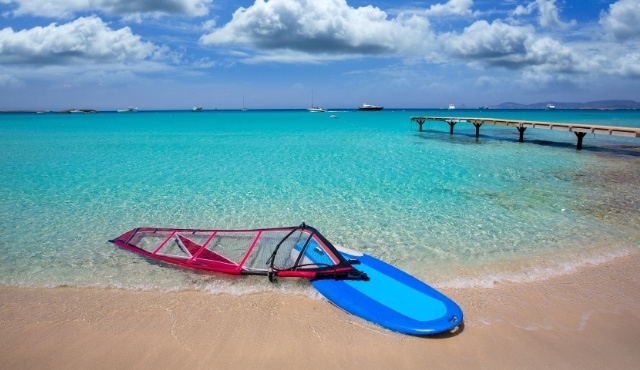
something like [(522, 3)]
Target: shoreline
[(587, 319)]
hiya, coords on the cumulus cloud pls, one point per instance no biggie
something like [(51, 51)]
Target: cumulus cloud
[(622, 21), (67, 8), (548, 16), (85, 40), (325, 29), (452, 7), (496, 43), (307, 31), (509, 46), (552, 57), (628, 65)]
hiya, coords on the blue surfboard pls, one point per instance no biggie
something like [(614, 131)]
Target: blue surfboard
[(391, 298)]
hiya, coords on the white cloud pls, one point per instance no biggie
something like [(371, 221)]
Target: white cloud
[(290, 56), (548, 16), (550, 56), (496, 43), (67, 8), (209, 25), (628, 65), (524, 45), (204, 63), (85, 40), (307, 31), (327, 29), (524, 10), (452, 7), (623, 20), (621, 61), (512, 47)]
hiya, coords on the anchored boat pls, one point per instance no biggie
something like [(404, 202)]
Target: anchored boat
[(369, 107)]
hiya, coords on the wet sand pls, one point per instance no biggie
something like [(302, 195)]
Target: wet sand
[(586, 320)]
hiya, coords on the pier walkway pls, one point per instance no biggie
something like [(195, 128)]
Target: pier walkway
[(579, 129)]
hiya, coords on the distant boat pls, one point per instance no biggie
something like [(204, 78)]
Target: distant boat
[(196, 108), (369, 107), (483, 107), (128, 110), (79, 111), (452, 107), (551, 106), (314, 109), (243, 107)]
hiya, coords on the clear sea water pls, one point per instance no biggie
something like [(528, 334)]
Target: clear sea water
[(452, 210)]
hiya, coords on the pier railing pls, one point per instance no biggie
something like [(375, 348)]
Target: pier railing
[(579, 129)]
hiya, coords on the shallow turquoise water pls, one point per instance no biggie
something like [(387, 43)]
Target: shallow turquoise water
[(452, 210)]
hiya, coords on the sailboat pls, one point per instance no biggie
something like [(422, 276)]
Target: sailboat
[(314, 109), (243, 107)]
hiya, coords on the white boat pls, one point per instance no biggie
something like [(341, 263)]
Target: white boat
[(551, 106), (314, 109), (452, 107), (369, 107), (79, 111), (128, 110), (196, 108)]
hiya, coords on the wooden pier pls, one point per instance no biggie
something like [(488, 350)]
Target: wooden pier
[(579, 129)]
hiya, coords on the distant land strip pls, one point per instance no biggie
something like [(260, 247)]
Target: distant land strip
[(599, 104)]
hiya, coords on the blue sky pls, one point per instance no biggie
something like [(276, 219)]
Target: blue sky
[(173, 54)]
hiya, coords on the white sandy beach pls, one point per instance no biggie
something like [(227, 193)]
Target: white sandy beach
[(586, 320)]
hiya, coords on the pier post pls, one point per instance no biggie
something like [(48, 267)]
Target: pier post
[(521, 130), (451, 123), (580, 136), (420, 121), (477, 126)]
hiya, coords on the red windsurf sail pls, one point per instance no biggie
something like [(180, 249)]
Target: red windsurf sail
[(299, 251)]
